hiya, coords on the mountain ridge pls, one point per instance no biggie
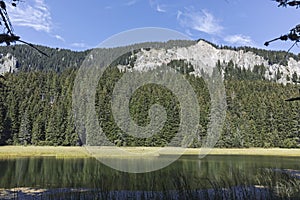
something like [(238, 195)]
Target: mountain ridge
[(26, 59), (36, 105), (210, 56)]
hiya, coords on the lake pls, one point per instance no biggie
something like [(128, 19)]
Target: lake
[(187, 173)]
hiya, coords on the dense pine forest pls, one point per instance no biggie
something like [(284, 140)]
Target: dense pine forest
[(36, 104)]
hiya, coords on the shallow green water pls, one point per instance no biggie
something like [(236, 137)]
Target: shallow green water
[(49, 172)]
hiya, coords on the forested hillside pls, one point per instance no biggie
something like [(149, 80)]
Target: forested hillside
[(36, 104), (60, 59), (31, 60)]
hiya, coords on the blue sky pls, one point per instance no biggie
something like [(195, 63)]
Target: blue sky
[(80, 25)]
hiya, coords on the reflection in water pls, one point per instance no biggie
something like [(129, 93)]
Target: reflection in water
[(49, 172)]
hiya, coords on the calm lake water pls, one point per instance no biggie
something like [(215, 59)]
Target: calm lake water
[(50, 173)]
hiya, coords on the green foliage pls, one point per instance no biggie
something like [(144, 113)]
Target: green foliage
[(37, 109), (36, 104), (31, 60), (181, 66), (233, 72), (25, 130)]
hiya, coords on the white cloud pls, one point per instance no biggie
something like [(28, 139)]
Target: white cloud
[(108, 7), (131, 3), (79, 45), (202, 21), (238, 39), (156, 6), (187, 31), (32, 13), (59, 38), (194, 21), (179, 13), (160, 9)]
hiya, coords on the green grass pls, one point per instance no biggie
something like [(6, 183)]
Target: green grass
[(40, 151), (81, 152)]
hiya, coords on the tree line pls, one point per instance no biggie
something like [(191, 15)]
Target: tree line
[(36, 103), (36, 109)]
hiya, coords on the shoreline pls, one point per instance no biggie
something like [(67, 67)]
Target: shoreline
[(82, 152)]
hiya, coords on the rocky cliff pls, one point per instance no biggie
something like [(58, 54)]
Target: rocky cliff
[(210, 55), (161, 53), (8, 63)]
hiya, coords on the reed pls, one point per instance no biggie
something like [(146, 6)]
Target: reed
[(266, 184)]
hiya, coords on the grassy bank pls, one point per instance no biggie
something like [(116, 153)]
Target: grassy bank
[(36, 151)]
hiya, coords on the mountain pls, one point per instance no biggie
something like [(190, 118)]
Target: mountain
[(210, 55), (29, 59), (36, 99), (277, 66)]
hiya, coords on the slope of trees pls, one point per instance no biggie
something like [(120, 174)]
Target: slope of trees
[(61, 59), (31, 60), (37, 109), (36, 106)]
